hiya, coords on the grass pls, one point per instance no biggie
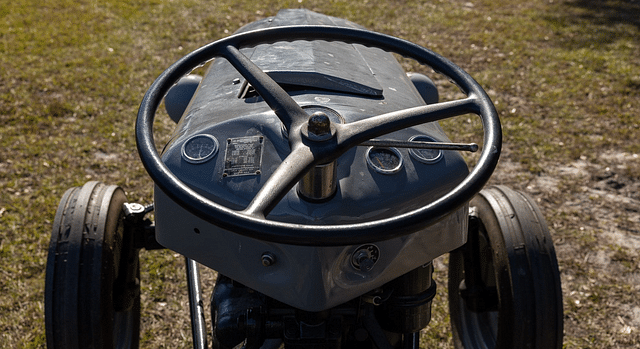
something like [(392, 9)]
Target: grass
[(564, 75)]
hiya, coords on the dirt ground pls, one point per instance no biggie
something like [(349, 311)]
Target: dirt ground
[(593, 210)]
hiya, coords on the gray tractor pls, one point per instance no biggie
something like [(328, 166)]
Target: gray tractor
[(310, 171)]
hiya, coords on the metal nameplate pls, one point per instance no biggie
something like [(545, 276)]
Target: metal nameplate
[(243, 156)]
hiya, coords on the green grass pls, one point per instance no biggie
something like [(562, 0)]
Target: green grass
[(564, 75)]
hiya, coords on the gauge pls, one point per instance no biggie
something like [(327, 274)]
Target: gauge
[(425, 156), (384, 160), (199, 148)]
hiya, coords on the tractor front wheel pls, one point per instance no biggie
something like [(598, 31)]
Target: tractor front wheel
[(504, 283), (91, 301)]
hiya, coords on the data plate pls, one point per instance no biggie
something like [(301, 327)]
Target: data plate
[(243, 156)]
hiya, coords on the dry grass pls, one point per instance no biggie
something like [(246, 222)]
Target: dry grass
[(564, 75)]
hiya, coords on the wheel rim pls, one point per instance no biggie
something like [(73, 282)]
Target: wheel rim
[(478, 329)]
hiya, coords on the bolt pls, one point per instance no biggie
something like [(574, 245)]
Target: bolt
[(268, 259), (319, 124), (366, 264), (133, 209), (363, 260)]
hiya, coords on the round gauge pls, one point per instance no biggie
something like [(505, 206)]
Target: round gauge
[(199, 148), (384, 160), (426, 156)]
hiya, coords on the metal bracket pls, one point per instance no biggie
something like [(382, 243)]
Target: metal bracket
[(142, 228), (478, 297)]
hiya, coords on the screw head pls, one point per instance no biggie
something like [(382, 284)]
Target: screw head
[(268, 259)]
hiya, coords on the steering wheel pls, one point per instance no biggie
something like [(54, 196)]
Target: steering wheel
[(308, 151)]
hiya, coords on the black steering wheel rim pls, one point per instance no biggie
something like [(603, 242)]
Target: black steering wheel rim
[(318, 235)]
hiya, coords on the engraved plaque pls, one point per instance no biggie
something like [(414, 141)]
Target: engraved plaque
[(243, 156)]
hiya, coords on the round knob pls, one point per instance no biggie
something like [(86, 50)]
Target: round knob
[(319, 124)]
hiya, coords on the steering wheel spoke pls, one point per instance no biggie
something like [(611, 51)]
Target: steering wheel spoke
[(301, 158), (292, 168), (357, 132), (287, 110)]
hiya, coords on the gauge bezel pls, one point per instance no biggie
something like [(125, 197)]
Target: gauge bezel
[(381, 170), (203, 159), (414, 152)]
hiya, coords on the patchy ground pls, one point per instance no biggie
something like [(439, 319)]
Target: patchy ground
[(564, 75), (593, 210)]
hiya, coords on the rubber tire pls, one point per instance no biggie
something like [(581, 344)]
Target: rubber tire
[(82, 266), (522, 265)]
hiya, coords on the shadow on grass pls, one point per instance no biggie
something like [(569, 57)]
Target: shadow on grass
[(611, 12), (602, 21)]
